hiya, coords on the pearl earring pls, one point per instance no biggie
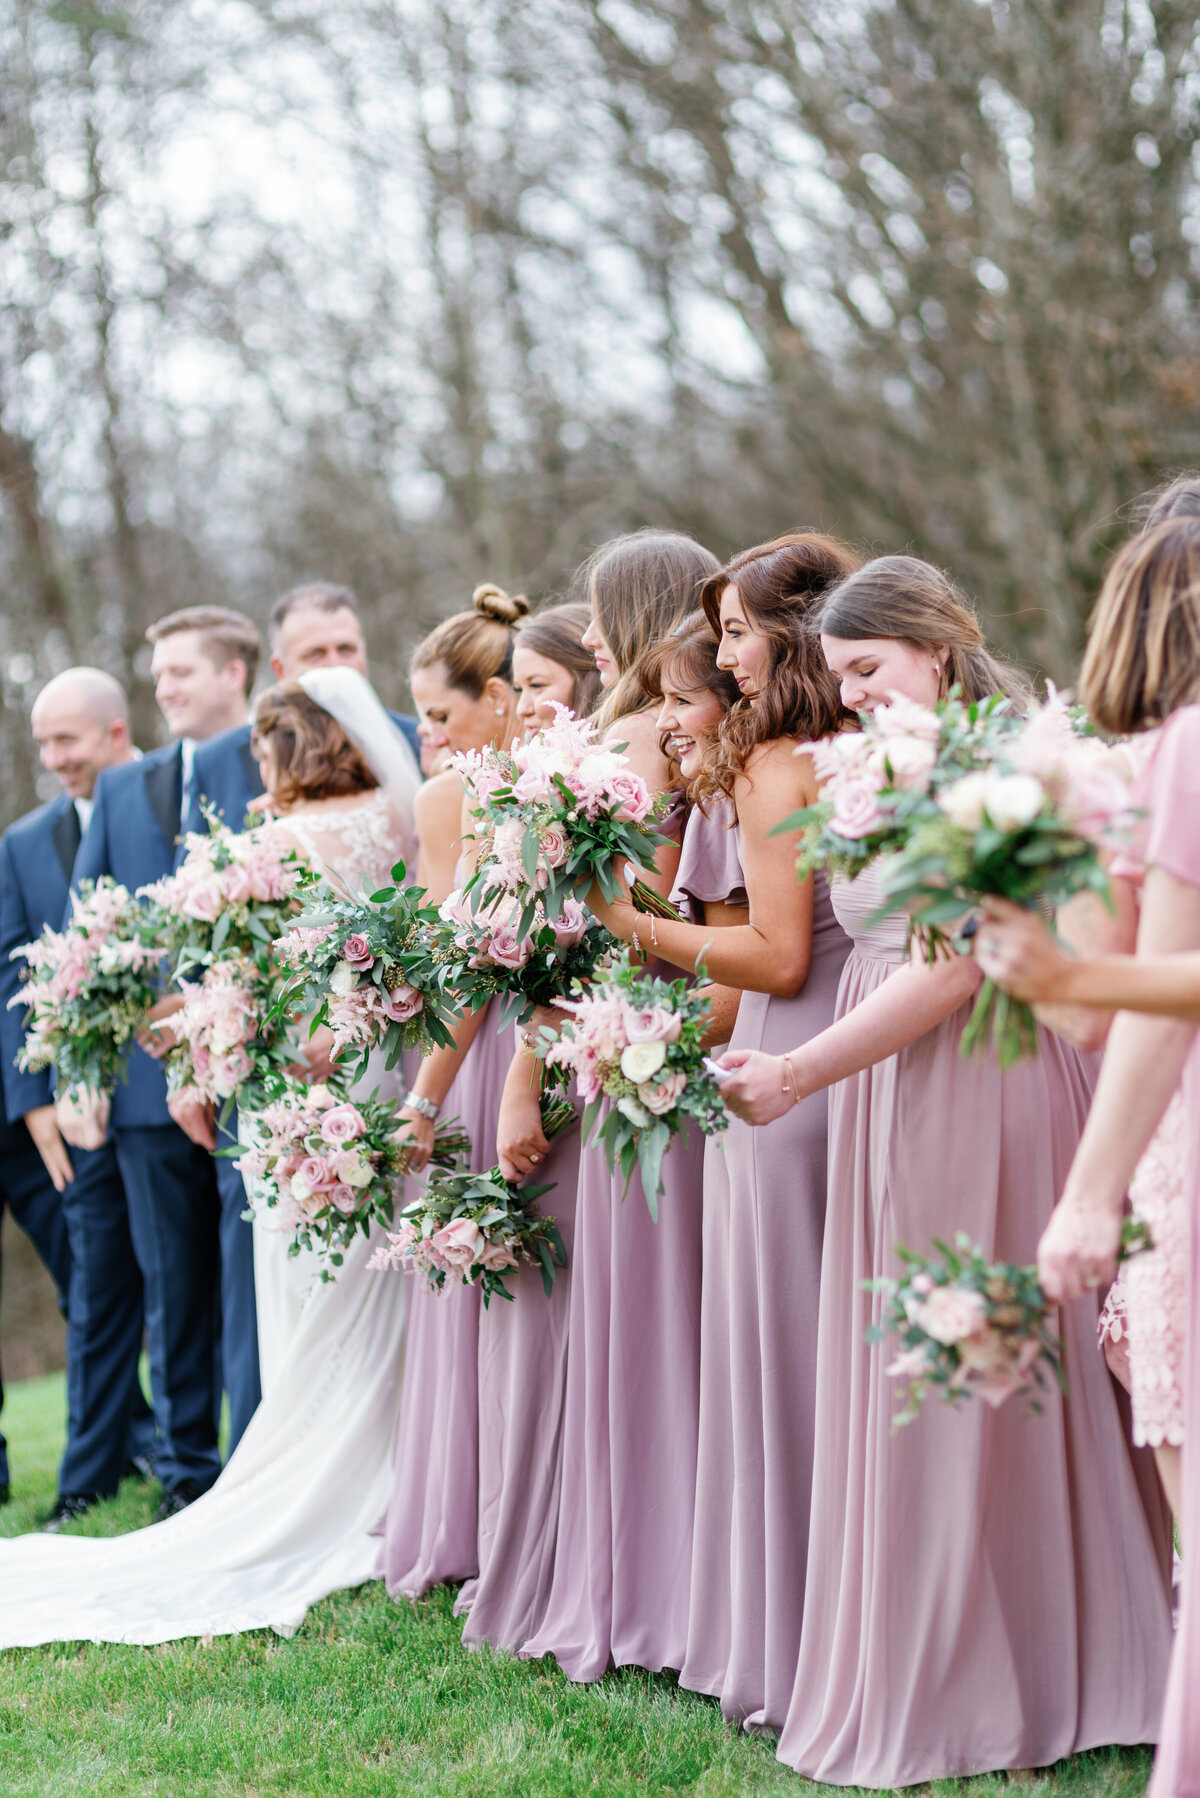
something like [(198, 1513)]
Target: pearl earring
[(499, 711)]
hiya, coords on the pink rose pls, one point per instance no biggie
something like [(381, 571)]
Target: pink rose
[(950, 1314), (663, 1094), (507, 949), (343, 1124), (497, 1256), (534, 785), (856, 808), (236, 882), (401, 1003), (631, 796), (457, 910), (357, 951), (316, 1174), (554, 846), (913, 1364), (652, 1024), (459, 1244), (571, 924), (205, 902), (343, 1198)]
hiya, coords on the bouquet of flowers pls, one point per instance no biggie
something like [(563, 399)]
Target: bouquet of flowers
[(968, 802), (218, 915), (557, 813), (227, 1045), (368, 968), (89, 987), (323, 1166), (485, 954), (231, 893), (973, 1328), (638, 1041), (469, 1228)]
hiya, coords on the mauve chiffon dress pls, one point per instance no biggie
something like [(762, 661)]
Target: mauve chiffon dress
[(764, 1220), (622, 1562), (522, 1387), (1173, 844), (986, 1589), (431, 1527)]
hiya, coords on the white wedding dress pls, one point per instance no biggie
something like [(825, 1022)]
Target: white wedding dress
[(291, 1517)]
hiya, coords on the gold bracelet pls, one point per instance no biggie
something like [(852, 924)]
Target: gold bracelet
[(789, 1080)]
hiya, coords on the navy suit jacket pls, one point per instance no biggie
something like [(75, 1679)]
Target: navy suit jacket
[(37, 854), (225, 773), (133, 836)]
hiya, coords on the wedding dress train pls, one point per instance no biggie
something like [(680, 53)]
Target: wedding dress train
[(290, 1518)]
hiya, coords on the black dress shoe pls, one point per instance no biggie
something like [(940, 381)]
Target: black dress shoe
[(178, 1498), (138, 1467), (67, 1507)]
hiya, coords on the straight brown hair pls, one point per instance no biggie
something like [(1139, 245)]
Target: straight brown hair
[(639, 588), (1143, 652)]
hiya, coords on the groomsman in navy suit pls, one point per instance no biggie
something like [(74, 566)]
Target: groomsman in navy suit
[(315, 626), (72, 1205), (197, 1263)]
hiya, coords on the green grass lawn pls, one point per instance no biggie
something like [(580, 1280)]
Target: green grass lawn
[(370, 1697)]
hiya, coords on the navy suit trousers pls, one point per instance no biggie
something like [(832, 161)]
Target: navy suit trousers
[(109, 1420), (239, 1314), (174, 1219), (28, 1191)]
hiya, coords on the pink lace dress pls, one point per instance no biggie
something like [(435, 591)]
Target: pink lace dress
[(1143, 1325)]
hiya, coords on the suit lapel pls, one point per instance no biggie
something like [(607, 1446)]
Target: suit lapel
[(65, 834), (164, 790), (251, 768)]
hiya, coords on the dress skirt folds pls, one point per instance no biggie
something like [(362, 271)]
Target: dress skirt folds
[(430, 1531), (764, 1219), (985, 1589), (522, 1392)]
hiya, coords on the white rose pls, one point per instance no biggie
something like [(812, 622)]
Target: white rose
[(343, 980), (911, 762), (637, 1114), (641, 1061), (355, 1172), (963, 802), (1013, 800)]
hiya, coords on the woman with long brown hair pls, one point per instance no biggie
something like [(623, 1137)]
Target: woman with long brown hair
[(617, 1589), (764, 1193), (985, 1590), (1141, 671)]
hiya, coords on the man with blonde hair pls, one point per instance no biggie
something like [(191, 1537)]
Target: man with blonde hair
[(190, 1248)]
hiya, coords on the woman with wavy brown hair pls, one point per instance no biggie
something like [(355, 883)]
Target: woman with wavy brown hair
[(764, 1196), (968, 1575)]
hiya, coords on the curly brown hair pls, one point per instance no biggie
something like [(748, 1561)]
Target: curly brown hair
[(312, 755), (781, 585)]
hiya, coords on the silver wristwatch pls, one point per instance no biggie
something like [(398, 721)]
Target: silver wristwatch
[(426, 1107)]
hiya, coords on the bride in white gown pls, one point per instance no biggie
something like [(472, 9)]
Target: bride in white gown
[(290, 1518)]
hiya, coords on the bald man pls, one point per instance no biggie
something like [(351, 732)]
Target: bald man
[(71, 1202)]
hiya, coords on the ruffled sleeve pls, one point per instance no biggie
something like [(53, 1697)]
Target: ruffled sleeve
[(1172, 832)]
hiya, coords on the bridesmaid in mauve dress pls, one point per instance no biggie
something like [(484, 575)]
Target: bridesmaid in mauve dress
[(618, 1591), (764, 1193), (1140, 667), (985, 1589), (523, 1344), (462, 686)]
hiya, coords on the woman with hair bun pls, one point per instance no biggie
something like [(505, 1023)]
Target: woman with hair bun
[(461, 678), (764, 1193), (523, 1345), (616, 1593), (985, 1589)]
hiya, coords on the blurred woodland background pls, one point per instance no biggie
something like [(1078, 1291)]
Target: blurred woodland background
[(414, 293)]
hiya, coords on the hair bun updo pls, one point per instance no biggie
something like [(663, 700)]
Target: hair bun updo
[(494, 603)]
